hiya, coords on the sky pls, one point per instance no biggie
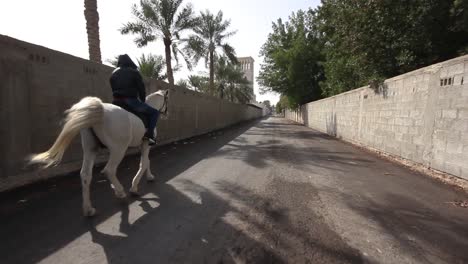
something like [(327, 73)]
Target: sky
[(60, 25)]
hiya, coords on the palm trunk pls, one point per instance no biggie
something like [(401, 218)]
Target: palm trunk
[(212, 88), (92, 27), (170, 76)]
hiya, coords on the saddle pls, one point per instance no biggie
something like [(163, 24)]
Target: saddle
[(141, 116)]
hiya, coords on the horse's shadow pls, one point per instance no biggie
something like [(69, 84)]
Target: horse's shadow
[(179, 231), (55, 205), (175, 220)]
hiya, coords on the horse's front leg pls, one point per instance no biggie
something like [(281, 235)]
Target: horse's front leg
[(149, 176), (144, 165)]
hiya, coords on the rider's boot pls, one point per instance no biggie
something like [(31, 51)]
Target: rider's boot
[(150, 138)]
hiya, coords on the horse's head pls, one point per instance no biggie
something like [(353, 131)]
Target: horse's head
[(159, 100)]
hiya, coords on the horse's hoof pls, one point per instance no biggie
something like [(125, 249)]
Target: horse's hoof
[(150, 178), (121, 195), (89, 212), (134, 193)]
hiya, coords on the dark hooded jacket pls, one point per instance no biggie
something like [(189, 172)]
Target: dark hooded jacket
[(126, 81)]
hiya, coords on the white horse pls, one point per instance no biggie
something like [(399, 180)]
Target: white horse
[(114, 127)]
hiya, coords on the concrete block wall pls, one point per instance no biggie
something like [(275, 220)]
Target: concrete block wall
[(38, 84), (421, 116)]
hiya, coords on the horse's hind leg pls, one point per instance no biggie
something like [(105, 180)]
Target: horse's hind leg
[(89, 145), (115, 157), (144, 167), (149, 176)]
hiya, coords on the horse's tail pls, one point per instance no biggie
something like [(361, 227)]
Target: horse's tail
[(86, 113)]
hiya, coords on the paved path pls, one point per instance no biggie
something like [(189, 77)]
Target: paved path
[(268, 191)]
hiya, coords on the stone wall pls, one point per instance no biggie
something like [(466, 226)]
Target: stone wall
[(38, 84), (421, 116)]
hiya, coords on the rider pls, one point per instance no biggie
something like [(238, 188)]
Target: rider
[(127, 86)]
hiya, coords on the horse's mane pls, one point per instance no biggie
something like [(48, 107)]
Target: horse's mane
[(158, 92)]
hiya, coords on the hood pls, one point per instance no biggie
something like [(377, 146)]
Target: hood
[(125, 61)]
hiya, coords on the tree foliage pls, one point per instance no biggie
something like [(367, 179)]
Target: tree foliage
[(267, 103), (152, 66), (230, 82), (183, 83), (282, 104), (211, 32), (198, 83), (345, 44), (161, 19), (293, 60), (373, 40)]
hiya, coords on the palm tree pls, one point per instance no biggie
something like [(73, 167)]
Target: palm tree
[(198, 83), (113, 61), (156, 19), (92, 27), (210, 34), (183, 83), (152, 66), (231, 82)]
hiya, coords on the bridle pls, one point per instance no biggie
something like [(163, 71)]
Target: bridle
[(164, 106)]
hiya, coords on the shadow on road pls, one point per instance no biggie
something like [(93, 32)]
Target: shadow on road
[(181, 231), (227, 225), (227, 222), (241, 227), (409, 221), (260, 153), (49, 213)]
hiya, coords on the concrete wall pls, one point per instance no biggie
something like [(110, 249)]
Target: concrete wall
[(421, 116), (36, 86)]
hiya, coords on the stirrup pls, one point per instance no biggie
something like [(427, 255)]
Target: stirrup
[(151, 141)]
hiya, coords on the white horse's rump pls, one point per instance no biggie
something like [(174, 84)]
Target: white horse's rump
[(116, 128)]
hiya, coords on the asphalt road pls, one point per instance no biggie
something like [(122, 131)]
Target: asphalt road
[(268, 191)]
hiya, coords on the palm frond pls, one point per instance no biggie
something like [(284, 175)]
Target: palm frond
[(152, 66), (210, 35), (195, 48), (230, 52), (161, 19), (185, 19), (143, 26), (114, 61), (176, 51), (198, 83)]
